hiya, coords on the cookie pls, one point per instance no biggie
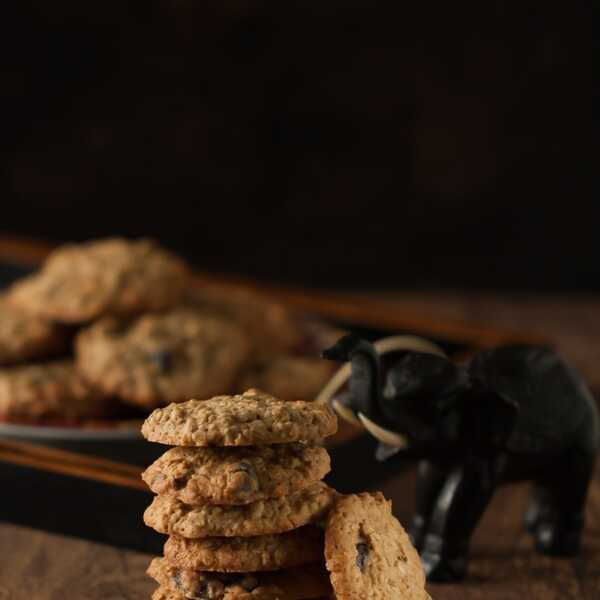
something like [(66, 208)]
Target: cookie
[(273, 327), (169, 515), (159, 358), (162, 593), (247, 554), (166, 594), (48, 390), (25, 337), (248, 419), (236, 475), (82, 282), (369, 555), (297, 584), (287, 377)]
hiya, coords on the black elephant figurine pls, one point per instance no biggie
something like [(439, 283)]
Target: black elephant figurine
[(513, 413)]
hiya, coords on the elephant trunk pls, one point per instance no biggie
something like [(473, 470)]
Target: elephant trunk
[(365, 380)]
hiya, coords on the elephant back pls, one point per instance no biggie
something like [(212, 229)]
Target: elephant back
[(555, 406)]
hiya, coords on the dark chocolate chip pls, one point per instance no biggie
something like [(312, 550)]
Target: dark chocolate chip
[(249, 583), (163, 359), (179, 482), (177, 580), (251, 482), (244, 467), (362, 553)]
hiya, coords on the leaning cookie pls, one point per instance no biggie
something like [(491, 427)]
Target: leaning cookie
[(48, 390), (295, 548), (248, 419), (25, 337), (297, 584), (369, 555), (81, 282), (236, 475), (159, 358), (169, 515), (287, 377)]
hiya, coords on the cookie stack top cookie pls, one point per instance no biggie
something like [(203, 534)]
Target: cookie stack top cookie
[(250, 419), (239, 496), (242, 499)]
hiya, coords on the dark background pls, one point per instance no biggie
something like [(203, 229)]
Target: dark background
[(326, 143)]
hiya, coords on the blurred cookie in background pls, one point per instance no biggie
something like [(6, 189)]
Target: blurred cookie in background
[(271, 327), (145, 332), (24, 336), (81, 282), (52, 390), (287, 377), (160, 358)]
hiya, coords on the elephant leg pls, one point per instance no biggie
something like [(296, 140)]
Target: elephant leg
[(431, 477), (558, 532), (460, 504), (542, 506)]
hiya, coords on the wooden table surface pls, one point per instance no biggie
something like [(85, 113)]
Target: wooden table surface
[(39, 566)]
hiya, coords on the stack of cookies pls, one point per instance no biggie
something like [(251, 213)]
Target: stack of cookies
[(109, 328), (240, 497), (248, 517)]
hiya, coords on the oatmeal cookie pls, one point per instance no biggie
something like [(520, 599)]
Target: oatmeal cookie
[(369, 555), (236, 475), (248, 419), (169, 515), (48, 390), (296, 584), (287, 377), (25, 337), (160, 358), (82, 282), (301, 546), (271, 326)]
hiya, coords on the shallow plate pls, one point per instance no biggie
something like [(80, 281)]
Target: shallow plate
[(50, 432)]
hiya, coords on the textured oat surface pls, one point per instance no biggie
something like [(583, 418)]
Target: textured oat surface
[(82, 282), (52, 389), (169, 515), (160, 358), (368, 552), (24, 336), (236, 475), (246, 554), (287, 377), (297, 584), (251, 418)]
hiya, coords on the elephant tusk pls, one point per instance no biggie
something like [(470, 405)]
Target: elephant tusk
[(408, 342), (346, 413), (384, 452), (383, 435)]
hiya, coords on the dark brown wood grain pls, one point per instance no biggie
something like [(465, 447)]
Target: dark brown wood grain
[(42, 566)]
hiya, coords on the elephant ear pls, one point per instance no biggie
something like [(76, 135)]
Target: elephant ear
[(495, 417), (481, 419)]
